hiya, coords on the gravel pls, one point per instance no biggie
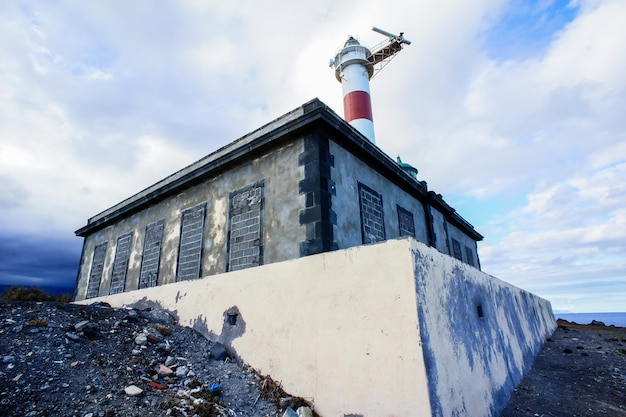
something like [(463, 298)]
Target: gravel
[(98, 361), (580, 371)]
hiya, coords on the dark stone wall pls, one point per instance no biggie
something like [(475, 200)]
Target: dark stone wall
[(318, 188)]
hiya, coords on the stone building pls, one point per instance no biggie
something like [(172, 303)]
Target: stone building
[(409, 326), (303, 184)]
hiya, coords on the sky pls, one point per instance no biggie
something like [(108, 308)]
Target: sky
[(513, 110)]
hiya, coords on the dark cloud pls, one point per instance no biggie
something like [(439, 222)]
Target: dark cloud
[(45, 261)]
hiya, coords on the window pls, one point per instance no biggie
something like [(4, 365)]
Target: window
[(406, 223), (97, 265), (245, 242), (456, 249), (190, 249), (120, 263), (149, 273), (372, 221), (469, 255)]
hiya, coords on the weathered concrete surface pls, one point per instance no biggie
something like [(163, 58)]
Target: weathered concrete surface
[(346, 175), (377, 330), (479, 334), (282, 233)]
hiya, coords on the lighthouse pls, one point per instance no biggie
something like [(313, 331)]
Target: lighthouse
[(353, 70), (354, 66)]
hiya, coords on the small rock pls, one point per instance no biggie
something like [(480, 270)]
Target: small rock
[(290, 413), (568, 350), (597, 323), (181, 371), (92, 332), (8, 359), (72, 336), (133, 390), (218, 352), (141, 340), (79, 327), (132, 316), (164, 370), (101, 304), (39, 322), (164, 330), (304, 412), (289, 402), (153, 339)]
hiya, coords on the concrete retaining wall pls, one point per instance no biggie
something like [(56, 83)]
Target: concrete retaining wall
[(377, 330), (479, 334)]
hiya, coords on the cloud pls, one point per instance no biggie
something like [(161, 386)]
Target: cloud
[(42, 260), (570, 234), (507, 103)]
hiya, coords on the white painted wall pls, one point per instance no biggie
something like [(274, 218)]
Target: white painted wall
[(371, 330), (337, 328), (474, 363)]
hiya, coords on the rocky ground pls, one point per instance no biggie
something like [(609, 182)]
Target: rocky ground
[(580, 371), (93, 361)]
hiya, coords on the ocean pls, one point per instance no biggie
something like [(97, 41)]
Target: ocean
[(616, 319)]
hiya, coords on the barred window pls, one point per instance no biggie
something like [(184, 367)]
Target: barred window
[(120, 263), (149, 273), (245, 243), (469, 255), (372, 221), (97, 266), (190, 248), (456, 249), (406, 223)]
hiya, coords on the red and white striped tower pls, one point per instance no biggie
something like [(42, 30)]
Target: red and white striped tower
[(354, 66), (353, 70)]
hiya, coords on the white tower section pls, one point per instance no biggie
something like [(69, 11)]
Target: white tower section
[(353, 70), (354, 66)]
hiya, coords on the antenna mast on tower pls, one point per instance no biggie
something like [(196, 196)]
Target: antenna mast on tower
[(354, 66), (387, 49)]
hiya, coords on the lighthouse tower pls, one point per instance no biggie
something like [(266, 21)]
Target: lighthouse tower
[(353, 70), (354, 66)]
